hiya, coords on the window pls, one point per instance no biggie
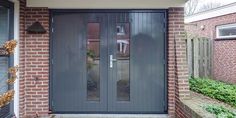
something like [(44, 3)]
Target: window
[(226, 31), (6, 33)]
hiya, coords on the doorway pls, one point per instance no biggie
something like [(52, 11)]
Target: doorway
[(108, 61)]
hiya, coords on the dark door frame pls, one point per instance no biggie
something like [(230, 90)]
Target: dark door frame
[(65, 11), (8, 110)]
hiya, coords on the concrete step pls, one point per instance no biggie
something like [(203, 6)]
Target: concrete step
[(109, 116)]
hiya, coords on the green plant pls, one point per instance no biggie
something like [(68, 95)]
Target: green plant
[(90, 58), (220, 111), (91, 54), (214, 89)]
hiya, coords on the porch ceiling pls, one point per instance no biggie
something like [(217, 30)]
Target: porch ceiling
[(106, 4)]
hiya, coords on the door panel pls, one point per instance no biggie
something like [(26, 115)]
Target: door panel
[(96, 67), (75, 67), (108, 62), (137, 79), (67, 53)]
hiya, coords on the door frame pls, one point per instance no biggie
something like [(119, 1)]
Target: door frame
[(53, 12)]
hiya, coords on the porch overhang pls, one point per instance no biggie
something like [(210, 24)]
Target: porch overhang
[(106, 4)]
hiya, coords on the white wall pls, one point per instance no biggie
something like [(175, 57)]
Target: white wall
[(106, 4), (16, 55)]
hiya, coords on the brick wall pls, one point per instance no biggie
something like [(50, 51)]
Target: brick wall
[(224, 56), (34, 63), (210, 25), (177, 67), (224, 68)]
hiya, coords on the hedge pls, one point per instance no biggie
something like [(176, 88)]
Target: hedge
[(214, 89)]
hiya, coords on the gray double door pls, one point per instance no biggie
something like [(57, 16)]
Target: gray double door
[(108, 62)]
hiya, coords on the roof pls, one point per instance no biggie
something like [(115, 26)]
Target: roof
[(219, 11)]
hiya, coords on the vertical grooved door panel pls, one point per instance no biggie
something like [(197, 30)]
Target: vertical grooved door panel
[(108, 62)]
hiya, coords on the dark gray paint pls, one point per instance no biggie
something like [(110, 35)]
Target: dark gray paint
[(69, 65), (147, 64)]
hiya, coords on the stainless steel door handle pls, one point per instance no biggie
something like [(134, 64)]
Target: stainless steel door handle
[(111, 61)]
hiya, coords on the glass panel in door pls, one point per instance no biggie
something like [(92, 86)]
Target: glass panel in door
[(93, 62), (123, 61)]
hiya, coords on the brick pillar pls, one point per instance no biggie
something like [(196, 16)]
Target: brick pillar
[(22, 59), (177, 63), (34, 63)]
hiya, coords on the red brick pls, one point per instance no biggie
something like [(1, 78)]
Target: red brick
[(31, 58), (177, 74)]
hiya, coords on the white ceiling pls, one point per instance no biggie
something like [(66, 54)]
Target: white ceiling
[(106, 4), (220, 11)]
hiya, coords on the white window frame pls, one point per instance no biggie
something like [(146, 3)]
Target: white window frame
[(218, 28)]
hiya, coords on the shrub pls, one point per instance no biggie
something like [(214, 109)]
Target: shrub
[(220, 111), (214, 89)]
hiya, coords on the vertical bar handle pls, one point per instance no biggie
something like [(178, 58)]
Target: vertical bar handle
[(111, 61)]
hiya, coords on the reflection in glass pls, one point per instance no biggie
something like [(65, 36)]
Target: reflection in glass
[(4, 36), (123, 61), (228, 31), (93, 60)]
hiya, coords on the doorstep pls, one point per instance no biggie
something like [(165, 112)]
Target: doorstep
[(109, 116)]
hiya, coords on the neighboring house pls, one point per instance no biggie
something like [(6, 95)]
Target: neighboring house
[(218, 24), (98, 56)]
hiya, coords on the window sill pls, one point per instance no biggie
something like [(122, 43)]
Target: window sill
[(225, 39)]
